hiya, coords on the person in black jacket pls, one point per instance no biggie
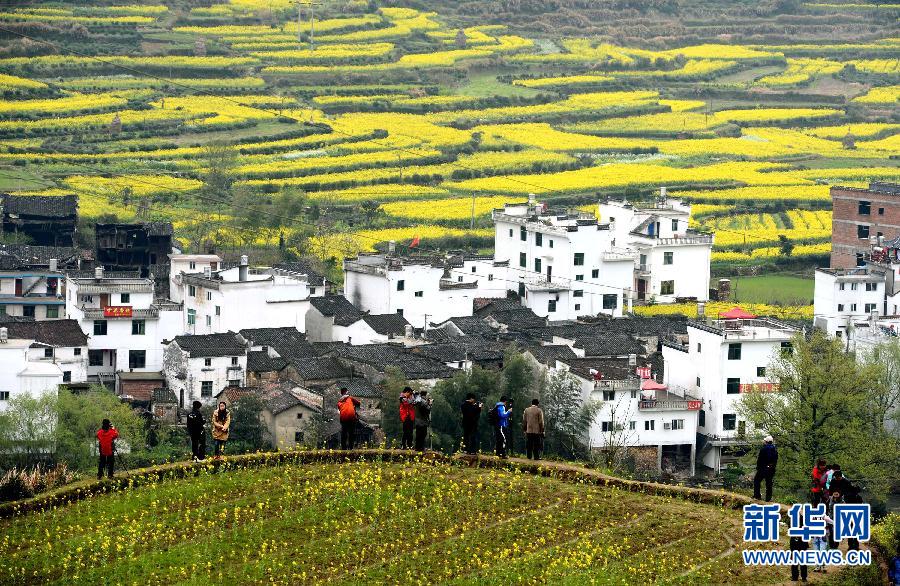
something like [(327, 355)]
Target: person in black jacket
[(471, 413), (196, 429), (765, 467)]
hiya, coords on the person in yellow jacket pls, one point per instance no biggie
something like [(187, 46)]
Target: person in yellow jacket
[(221, 426)]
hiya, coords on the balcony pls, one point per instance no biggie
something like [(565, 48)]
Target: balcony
[(666, 401), (690, 239), (617, 385), (642, 269), (97, 313)]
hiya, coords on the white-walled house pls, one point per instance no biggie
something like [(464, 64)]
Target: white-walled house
[(124, 324), (422, 288), (188, 264), (672, 261), (721, 360), (334, 319), (37, 357), (197, 368), (562, 266)]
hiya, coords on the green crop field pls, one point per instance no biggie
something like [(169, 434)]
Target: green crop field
[(371, 522), (781, 289)]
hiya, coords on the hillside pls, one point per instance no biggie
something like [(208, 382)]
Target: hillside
[(375, 522)]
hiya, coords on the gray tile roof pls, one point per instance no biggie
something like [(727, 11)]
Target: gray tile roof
[(549, 354), (304, 267), (360, 387), (62, 333), (387, 324), (15, 256), (273, 336), (211, 345), (383, 356), (337, 306), (260, 361), (51, 206), (320, 368)]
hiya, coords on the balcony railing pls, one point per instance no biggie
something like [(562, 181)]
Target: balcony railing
[(617, 385), (447, 285), (670, 405), (97, 313), (689, 239)]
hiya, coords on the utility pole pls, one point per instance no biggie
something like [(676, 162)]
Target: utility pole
[(472, 222), (312, 21)]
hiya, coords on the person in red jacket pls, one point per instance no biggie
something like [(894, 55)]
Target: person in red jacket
[(818, 474), (106, 436), (407, 417), (347, 406)]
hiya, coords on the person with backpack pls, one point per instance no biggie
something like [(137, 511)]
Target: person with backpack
[(407, 417), (221, 427), (498, 417), (765, 468), (196, 429), (533, 426), (471, 413), (106, 437), (347, 406), (422, 404), (818, 472)]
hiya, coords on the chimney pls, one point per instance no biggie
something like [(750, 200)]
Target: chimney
[(207, 271), (53, 265), (724, 289), (531, 199), (662, 193), (392, 247), (4, 335), (701, 310), (632, 360), (408, 330), (243, 268), (98, 273)]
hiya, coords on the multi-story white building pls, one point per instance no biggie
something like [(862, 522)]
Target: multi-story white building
[(37, 357), (124, 324), (189, 264), (672, 261), (721, 360), (197, 368), (563, 266), (334, 319), (31, 282), (422, 288), (242, 297)]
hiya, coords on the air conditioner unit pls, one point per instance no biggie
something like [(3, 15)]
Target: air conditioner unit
[(667, 426)]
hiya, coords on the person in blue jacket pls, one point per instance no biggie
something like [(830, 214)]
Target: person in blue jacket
[(503, 409), (894, 570)]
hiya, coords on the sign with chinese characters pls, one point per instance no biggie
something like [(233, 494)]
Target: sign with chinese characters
[(117, 311), (759, 388), (643, 372), (694, 405)]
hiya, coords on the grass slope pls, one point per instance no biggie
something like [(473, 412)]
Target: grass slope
[(773, 289), (376, 522)]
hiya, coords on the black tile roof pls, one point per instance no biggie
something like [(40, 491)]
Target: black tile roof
[(280, 400), (383, 356), (304, 267), (360, 387), (260, 361), (472, 325), (48, 206), (344, 312), (55, 332), (164, 395), (16, 256), (610, 344), (520, 318), (549, 354), (273, 336), (610, 368), (387, 324), (159, 228), (211, 345), (320, 368)]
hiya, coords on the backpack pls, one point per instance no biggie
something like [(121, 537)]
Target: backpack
[(493, 416), (347, 409)]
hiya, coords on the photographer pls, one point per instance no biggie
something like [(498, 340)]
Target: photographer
[(422, 403), (197, 432), (407, 417), (471, 413), (500, 418), (106, 435)]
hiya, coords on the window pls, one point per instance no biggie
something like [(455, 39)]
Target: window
[(862, 231), (677, 424), (510, 233), (852, 307), (52, 311), (401, 285), (865, 208), (538, 239), (77, 352), (137, 358), (459, 279), (4, 395), (67, 376), (192, 265), (48, 352), (234, 382), (551, 243), (734, 351), (95, 357), (206, 388), (523, 234), (787, 348), (698, 381), (418, 293), (667, 288), (701, 418), (99, 327), (733, 386), (578, 293), (579, 277), (632, 425), (649, 425), (729, 421), (606, 426), (234, 360), (674, 225), (209, 295), (609, 395), (760, 371), (699, 347), (595, 273), (300, 415), (880, 211), (298, 437), (860, 259), (400, 312), (841, 286), (634, 394), (579, 259), (218, 310), (668, 258), (577, 306), (138, 327), (840, 307), (473, 269), (2, 310), (125, 297), (523, 259), (871, 286), (854, 286), (610, 301), (491, 277), (192, 291), (869, 307), (192, 317), (207, 362), (208, 320), (537, 265), (551, 306), (28, 310)]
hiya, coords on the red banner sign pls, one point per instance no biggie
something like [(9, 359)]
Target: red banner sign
[(117, 311), (759, 388), (694, 405), (643, 372)]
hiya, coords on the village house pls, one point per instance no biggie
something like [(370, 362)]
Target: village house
[(46, 220), (721, 360), (37, 357), (288, 414), (562, 265), (860, 217), (197, 367), (672, 261), (188, 264), (334, 319), (32, 281)]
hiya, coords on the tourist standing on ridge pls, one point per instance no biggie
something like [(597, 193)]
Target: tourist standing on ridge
[(533, 425), (818, 472), (196, 429), (471, 413), (499, 417), (347, 406), (407, 417), (422, 403), (106, 436), (221, 427), (765, 467)]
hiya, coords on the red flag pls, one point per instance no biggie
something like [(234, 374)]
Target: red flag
[(414, 243)]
